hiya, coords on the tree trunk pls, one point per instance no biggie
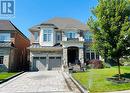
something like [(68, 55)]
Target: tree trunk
[(119, 71), (105, 55)]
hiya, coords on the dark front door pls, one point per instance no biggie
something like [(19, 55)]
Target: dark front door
[(73, 55)]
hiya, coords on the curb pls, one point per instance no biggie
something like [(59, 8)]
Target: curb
[(78, 85), (67, 83)]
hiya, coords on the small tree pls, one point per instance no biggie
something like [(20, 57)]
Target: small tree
[(111, 29)]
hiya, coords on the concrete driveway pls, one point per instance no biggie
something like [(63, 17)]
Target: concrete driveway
[(37, 82)]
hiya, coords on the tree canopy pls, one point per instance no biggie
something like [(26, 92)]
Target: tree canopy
[(111, 28)]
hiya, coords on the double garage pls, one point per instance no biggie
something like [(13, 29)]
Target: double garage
[(47, 63)]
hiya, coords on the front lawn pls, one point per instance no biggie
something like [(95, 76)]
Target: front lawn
[(95, 79), (5, 75)]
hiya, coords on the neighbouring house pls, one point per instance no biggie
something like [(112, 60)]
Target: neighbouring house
[(59, 43), (13, 48)]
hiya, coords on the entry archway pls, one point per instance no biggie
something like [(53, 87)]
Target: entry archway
[(73, 55)]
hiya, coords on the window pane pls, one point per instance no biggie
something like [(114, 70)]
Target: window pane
[(35, 36), (4, 36), (1, 59), (88, 37), (58, 37), (73, 35), (35, 57), (51, 57), (70, 35), (49, 37), (45, 37), (97, 56), (42, 57), (87, 56), (49, 31), (92, 55), (45, 31)]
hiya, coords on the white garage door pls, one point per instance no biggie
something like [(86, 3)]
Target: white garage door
[(39, 63), (54, 63)]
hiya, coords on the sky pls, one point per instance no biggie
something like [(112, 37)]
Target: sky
[(32, 12)]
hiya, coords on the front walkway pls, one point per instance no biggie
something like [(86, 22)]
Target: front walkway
[(37, 82)]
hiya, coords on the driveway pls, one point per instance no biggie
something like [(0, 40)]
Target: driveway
[(37, 82)]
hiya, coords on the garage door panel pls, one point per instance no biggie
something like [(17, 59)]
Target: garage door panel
[(34, 63), (40, 63), (54, 63)]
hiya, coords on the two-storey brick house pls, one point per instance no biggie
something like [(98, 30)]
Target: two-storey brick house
[(13, 47), (59, 42)]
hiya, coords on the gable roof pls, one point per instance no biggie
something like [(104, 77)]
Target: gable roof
[(7, 25), (61, 23)]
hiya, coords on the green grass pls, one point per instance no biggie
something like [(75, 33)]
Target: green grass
[(5, 75), (95, 79)]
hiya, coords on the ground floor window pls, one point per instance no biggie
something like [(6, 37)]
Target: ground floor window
[(90, 54), (1, 59)]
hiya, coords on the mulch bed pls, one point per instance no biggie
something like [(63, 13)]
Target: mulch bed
[(119, 81)]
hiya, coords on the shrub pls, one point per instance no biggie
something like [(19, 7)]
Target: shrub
[(95, 63)]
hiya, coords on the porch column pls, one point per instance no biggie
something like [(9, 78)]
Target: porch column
[(95, 55), (90, 54), (65, 61), (31, 63), (47, 61), (81, 55)]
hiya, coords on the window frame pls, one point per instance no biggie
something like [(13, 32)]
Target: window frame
[(71, 35), (6, 37), (1, 60), (48, 37), (36, 36), (88, 37)]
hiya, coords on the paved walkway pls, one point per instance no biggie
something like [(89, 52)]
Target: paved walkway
[(37, 82)]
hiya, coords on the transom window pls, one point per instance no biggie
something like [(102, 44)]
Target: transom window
[(47, 34), (4, 36)]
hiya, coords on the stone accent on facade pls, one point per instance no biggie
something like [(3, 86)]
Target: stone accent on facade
[(47, 55), (5, 53), (65, 59), (81, 56)]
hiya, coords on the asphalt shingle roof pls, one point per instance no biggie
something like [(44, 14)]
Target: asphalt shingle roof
[(62, 23)]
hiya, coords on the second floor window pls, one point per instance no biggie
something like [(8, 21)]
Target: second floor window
[(58, 36), (36, 37), (47, 34), (70, 35), (4, 36), (88, 37)]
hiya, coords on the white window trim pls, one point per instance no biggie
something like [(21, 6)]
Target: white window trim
[(36, 41), (48, 39)]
